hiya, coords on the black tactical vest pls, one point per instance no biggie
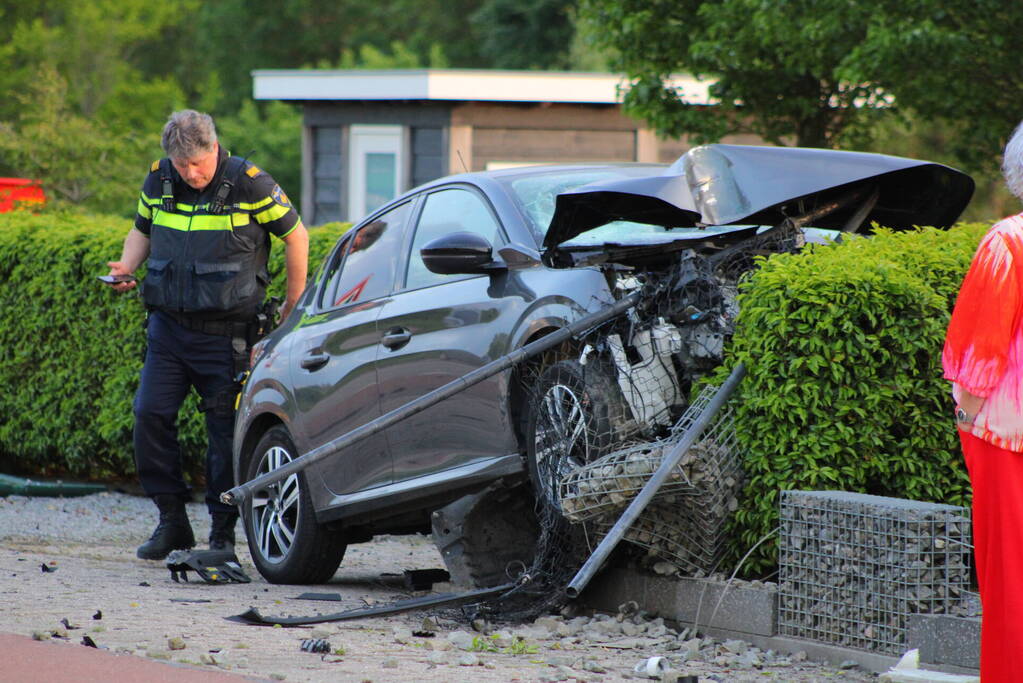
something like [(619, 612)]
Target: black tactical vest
[(203, 262)]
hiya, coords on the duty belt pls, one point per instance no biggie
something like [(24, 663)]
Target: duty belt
[(220, 328)]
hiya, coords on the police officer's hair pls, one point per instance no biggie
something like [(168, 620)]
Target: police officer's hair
[(1012, 162), (188, 133)]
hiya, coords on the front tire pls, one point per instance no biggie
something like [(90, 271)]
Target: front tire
[(286, 543), (570, 424)]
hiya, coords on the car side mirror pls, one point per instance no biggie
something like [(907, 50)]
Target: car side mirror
[(460, 253)]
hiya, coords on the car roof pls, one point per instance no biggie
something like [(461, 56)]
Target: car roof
[(483, 177)]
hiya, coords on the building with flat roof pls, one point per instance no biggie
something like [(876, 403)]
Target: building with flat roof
[(370, 135)]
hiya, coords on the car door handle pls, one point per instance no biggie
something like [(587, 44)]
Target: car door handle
[(396, 337), (314, 361)]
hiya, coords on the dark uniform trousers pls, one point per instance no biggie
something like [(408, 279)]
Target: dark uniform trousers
[(178, 358)]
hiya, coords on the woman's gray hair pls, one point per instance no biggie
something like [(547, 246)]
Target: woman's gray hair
[(1012, 162), (188, 134)]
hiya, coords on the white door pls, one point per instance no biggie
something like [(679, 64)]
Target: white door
[(376, 167)]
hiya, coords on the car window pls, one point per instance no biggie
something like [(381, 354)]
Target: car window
[(447, 211), (333, 272), (366, 263)]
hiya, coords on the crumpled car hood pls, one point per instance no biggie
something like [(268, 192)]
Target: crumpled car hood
[(748, 185)]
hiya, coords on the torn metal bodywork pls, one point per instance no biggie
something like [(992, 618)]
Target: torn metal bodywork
[(715, 185)]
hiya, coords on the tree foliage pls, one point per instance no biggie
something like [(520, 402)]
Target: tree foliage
[(776, 67), (955, 62), (76, 158), (525, 34), (810, 71), (89, 85)]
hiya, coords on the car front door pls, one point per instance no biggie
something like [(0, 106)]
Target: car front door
[(334, 373), (436, 329)]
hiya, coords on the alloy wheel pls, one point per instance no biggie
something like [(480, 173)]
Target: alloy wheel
[(276, 509)]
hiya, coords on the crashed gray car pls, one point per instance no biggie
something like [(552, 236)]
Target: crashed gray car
[(469, 268)]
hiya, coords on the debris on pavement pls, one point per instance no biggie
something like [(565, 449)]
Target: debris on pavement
[(315, 645)]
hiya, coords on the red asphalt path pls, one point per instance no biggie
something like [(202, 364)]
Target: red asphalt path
[(31, 661)]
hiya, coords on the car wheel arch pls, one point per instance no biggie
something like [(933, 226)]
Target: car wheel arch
[(255, 431), (518, 393)]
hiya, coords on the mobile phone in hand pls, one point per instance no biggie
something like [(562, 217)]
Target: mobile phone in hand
[(114, 279)]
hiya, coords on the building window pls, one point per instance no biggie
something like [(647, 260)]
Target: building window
[(376, 167)]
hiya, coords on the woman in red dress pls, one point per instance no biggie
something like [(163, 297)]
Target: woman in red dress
[(983, 357)]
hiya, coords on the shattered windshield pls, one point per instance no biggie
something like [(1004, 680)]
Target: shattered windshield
[(536, 195)]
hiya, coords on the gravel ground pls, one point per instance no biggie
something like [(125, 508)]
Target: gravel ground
[(89, 544)]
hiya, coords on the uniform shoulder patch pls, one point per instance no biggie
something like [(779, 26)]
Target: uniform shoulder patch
[(279, 196), (253, 171), (155, 167)]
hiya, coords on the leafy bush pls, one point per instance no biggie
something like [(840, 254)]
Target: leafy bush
[(842, 344), (71, 348)]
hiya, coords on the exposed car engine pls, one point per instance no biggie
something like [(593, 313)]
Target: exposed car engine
[(660, 350)]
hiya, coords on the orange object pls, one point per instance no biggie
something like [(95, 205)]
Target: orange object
[(14, 191)]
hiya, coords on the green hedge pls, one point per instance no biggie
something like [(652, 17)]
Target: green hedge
[(71, 348), (843, 348)]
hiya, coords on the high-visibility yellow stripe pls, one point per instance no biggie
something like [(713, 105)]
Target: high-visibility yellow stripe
[(297, 224), (176, 221), (211, 222), (252, 206), (272, 214), (144, 210)]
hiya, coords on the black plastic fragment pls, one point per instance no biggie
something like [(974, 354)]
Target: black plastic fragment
[(423, 579), (88, 642), (98, 615), (47, 569), (212, 566), (327, 597), (253, 617)]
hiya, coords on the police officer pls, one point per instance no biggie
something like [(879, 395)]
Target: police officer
[(204, 221)]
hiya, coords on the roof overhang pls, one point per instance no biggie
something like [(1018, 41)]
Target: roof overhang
[(453, 85)]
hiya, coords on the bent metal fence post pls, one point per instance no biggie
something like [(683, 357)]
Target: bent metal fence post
[(240, 494)]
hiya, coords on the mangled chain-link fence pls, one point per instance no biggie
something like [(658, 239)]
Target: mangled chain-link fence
[(685, 523), (602, 415)]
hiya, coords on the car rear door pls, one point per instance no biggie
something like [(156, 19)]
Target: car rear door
[(334, 366), (437, 328)]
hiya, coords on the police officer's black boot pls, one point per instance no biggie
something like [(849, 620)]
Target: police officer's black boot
[(222, 530), (172, 533)]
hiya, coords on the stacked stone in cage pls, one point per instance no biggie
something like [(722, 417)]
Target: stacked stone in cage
[(853, 567), (685, 522)]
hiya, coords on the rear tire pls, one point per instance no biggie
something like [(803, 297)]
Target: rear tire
[(286, 543)]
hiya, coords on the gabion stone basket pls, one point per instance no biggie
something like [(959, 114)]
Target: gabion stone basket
[(685, 522), (853, 567)]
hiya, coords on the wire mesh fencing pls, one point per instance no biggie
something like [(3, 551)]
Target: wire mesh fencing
[(854, 567)]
